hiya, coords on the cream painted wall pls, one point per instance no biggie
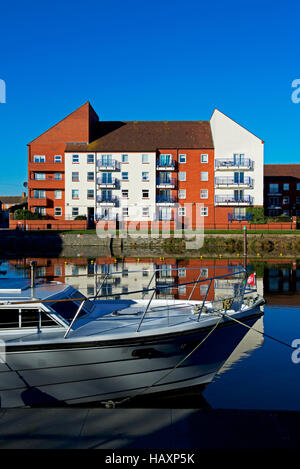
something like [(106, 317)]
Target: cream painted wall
[(229, 137)]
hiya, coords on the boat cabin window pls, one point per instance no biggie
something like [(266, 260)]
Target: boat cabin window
[(11, 318), (67, 309)]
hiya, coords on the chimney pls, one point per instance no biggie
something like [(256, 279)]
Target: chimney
[(23, 195)]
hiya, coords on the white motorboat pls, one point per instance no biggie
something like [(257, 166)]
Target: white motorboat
[(59, 347)]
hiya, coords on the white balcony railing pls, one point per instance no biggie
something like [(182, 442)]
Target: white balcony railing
[(229, 199), (107, 165), (232, 163), (232, 182)]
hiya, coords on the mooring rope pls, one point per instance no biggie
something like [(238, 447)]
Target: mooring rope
[(113, 404), (256, 330)]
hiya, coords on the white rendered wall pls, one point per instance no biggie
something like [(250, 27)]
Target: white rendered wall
[(82, 185), (229, 138), (135, 167)]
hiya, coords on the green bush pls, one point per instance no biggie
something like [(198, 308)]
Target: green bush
[(257, 215), (21, 214), (80, 217)]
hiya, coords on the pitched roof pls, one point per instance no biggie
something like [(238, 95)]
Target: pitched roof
[(148, 136), (13, 199), (282, 170)]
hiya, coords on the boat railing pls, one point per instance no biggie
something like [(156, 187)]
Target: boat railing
[(237, 299)]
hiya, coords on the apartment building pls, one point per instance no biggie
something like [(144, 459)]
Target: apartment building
[(282, 189), (186, 172)]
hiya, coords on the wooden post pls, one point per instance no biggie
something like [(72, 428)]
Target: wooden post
[(32, 273)]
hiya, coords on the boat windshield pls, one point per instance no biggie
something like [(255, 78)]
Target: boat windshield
[(67, 309)]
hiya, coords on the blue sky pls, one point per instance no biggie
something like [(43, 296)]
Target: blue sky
[(158, 60)]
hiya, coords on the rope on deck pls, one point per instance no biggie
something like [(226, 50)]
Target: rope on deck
[(113, 404)]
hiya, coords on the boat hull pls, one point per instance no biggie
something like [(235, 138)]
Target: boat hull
[(95, 372)]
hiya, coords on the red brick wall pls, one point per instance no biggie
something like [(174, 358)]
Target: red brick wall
[(79, 126)]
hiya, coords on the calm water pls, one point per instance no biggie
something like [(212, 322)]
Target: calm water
[(260, 373)]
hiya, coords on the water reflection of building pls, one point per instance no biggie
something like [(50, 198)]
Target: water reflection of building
[(282, 283), (173, 278)]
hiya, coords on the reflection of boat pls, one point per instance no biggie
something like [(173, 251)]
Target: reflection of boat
[(62, 347)]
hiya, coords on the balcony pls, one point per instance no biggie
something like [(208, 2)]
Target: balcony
[(41, 167), (165, 183), (109, 165), (38, 202), (165, 165), (107, 201), (48, 183), (225, 182), (231, 164), (165, 200), (111, 183), (230, 199)]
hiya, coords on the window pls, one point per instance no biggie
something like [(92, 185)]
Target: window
[(57, 194), (165, 213), (204, 211), (90, 290), (204, 158), (39, 176), (182, 158), (75, 176), (203, 289), (181, 211), (58, 211), (182, 290), (285, 200), (145, 176), (40, 210), (204, 176), (75, 193), (204, 272), (125, 211), (90, 193), (145, 211), (57, 159), (58, 176), (181, 194), (39, 158), (297, 200), (145, 193), (125, 193), (286, 212), (90, 176), (273, 188), (298, 186), (182, 176), (204, 194), (90, 159), (75, 159), (145, 158), (125, 176), (124, 158), (181, 272), (286, 187), (75, 211), (57, 270), (39, 194)]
